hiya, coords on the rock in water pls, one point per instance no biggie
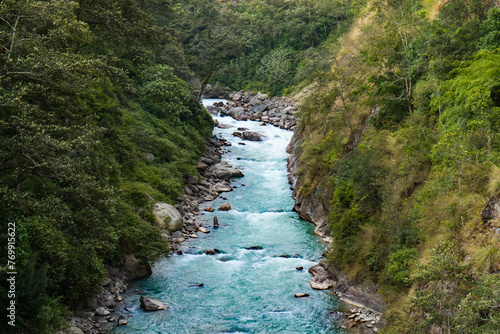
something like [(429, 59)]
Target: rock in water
[(224, 126), (216, 222), (210, 252), (299, 268), (321, 282), (223, 187), (209, 209), (149, 304), (253, 136), (225, 207), (224, 171), (167, 216), (301, 295), (122, 321), (203, 230)]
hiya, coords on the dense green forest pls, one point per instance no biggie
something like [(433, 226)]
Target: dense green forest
[(95, 120), (398, 129)]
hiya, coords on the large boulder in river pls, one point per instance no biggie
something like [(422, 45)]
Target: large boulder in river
[(224, 171), (258, 108), (149, 304), (236, 112), (253, 136), (167, 216), (225, 207)]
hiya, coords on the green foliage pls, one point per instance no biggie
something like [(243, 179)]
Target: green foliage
[(480, 308), (490, 30), (242, 44), (441, 283), (402, 136), (164, 94), (93, 122), (393, 105), (276, 69), (398, 268)]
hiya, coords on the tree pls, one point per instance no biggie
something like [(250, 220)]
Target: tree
[(211, 35)]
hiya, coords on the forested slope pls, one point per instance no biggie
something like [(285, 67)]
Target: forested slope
[(400, 137), (95, 121)]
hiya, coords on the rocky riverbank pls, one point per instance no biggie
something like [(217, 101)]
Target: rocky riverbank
[(366, 317), (277, 111), (179, 222), (185, 220)]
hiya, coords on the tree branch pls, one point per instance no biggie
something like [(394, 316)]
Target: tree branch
[(10, 25), (12, 43)]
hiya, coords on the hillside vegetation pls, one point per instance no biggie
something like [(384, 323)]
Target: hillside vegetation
[(402, 134), (95, 122)]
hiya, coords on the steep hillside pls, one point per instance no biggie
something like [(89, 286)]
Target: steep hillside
[(95, 122), (397, 157)]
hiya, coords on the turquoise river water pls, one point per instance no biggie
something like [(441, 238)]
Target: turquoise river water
[(245, 291)]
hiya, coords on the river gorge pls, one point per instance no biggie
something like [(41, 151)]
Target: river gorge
[(249, 285)]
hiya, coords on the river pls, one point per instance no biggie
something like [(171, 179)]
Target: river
[(244, 291)]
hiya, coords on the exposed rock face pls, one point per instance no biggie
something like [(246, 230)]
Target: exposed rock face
[(135, 268), (224, 171), (322, 282), (150, 305), (167, 216), (318, 269), (321, 279), (353, 292), (492, 210), (312, 207)]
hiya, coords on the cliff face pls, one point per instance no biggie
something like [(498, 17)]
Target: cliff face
[(313, 206)]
